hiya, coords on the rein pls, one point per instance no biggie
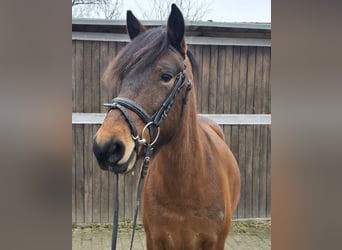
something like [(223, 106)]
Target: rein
[(152, 123)]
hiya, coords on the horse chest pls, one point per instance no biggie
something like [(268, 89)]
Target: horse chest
[(186, 228), (186, 215)]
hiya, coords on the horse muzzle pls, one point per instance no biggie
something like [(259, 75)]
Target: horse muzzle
[(114, 155)]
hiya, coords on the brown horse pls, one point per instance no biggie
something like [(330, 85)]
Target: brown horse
[(192, 186)]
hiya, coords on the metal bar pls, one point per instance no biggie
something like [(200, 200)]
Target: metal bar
[(223, 119)]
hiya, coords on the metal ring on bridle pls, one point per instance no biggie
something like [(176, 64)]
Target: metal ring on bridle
[(141, 140), (155, 138)]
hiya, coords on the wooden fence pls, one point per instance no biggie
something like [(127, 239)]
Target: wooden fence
[(234, 65)]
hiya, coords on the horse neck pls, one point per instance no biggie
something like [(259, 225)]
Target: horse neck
[(178, 160)]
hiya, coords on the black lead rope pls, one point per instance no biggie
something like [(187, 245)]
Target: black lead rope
[(143, 172), (148, 153), (116, 214)]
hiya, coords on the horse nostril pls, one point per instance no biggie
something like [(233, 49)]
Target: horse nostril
[(116, 152), (108, 153)]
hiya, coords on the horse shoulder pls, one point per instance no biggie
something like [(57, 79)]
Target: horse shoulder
[(228, 163), (206, 124)]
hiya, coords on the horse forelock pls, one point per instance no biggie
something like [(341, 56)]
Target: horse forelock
[(140, 53)]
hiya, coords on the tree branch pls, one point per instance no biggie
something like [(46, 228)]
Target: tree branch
[(84, 2)]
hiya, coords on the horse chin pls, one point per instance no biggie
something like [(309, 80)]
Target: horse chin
[(125, 167)]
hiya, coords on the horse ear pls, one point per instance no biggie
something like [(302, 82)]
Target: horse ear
[(176, 28), (134, 27)]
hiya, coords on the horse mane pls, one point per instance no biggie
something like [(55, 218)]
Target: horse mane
[(194, 65), (138, 53)]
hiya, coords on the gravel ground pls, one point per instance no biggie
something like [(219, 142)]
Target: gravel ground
[(246, 235)]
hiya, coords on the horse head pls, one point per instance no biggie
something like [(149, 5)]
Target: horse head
[(153, 74)]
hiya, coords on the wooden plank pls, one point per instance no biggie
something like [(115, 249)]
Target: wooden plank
[(221, 68), (228, 78), (234, 106), (263, 135), (263, 83), (234, 146), (266, 80), (243, 80), (227, 130), (112, 190), (96, 186), (249, 133), (79, 77), (234, 99), (112, 52), (249, 171), (79, 187), (122, 198), (213, 80), (250, 81), (104, 93), (258, 85), (73, 75), (242, 129), (73, 177), (88, 173), (136, 176), (256, 172), (268, 170), (242, 164), (87, 83), (95, 80), (129, 191), (263, 172), (104, 196), (258, 103), (205, 80)]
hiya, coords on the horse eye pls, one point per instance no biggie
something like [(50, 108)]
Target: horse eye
[(165, 77)]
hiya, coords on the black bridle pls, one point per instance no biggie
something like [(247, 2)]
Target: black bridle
[(152, 123)]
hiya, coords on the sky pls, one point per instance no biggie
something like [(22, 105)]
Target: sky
[(225, 10)]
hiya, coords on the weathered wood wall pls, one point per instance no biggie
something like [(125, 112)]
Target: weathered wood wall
[(233, 80)]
